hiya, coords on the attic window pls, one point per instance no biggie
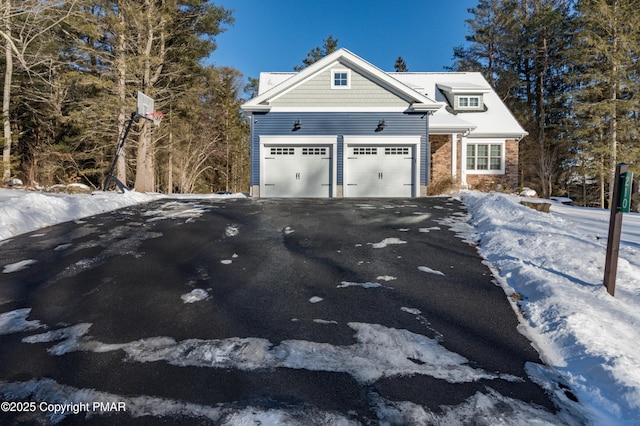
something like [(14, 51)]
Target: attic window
[(469, 102), (340, 79)]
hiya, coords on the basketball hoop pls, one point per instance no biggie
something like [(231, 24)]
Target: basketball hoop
[(155, 117)]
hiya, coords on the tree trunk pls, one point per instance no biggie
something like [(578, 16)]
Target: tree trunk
[(615, 82), (170, 165), (145, 165), (145, 181), (121, 65), (145, 173), (6, 98)]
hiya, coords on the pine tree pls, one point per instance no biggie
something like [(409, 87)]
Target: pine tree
[(329, 45), (518, 45), (604, 73), (400, 65)]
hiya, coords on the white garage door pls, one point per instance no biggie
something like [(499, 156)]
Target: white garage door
[(379, 171), (297, 171)]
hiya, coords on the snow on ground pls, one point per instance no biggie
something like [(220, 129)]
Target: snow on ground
[(549, 264), (552, 264), (25, 211)]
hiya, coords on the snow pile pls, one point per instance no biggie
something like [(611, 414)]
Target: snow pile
[(25, 211), (22, 211), (553, 266)]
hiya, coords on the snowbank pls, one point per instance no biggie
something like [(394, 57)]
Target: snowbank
[(553, 266), (26, 211)]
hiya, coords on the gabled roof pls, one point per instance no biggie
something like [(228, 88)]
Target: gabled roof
[(285, 82), (423, 91), (496, 121)]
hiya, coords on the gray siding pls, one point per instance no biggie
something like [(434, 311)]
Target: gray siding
[(339, 124), (317, 92)]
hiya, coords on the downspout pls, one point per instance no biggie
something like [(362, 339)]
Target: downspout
[(251, 154), (463, 157), (454, 155), (427, 154)]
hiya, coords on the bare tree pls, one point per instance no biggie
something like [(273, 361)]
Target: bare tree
[(22, 26)]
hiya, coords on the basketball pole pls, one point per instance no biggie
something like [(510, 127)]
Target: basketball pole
[(110, 176)]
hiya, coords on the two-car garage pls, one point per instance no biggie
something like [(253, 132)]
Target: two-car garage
[(308, 167)]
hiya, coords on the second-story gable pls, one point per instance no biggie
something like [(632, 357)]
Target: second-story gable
[(340, 86)]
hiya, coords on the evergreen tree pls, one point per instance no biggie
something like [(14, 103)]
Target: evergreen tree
[(329, 45), (252, 87), (487, 36), (604, 74), (518, 45), (400, 65)]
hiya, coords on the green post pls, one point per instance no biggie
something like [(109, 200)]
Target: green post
[(626, 182)]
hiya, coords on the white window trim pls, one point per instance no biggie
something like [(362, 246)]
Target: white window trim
[(503, 155), (340, 71), (468, 107)]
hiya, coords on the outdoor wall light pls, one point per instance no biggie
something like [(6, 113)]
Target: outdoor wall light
[(297, 125), (381, 126)]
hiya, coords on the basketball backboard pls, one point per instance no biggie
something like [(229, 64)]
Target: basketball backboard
[(145, 105)]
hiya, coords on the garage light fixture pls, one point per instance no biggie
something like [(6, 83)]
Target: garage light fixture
[(381, 126), (297, 125)]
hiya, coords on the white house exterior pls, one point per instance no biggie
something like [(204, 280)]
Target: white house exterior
[(344, 128)]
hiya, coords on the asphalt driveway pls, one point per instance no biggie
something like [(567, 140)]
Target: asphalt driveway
[(271, 311)]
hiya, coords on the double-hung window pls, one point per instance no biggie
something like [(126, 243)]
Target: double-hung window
[(485, 157)]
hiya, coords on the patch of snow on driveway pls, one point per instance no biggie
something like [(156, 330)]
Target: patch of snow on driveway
[(196, 295), (379, 352), (363, 285), (386, 242), (430, 271), (18, 266), (16, 321)]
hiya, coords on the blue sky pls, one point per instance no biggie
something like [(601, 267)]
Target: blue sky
[(275, 35)]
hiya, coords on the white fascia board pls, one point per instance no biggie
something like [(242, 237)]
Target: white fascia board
[(467, 88), (516, 136), (432, 107), (445, 130), (255, 108)]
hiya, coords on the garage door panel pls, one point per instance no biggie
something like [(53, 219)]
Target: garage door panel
[(379, 171), (296, 171)]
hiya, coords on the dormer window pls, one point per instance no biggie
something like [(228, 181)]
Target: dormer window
[(341, 79), (469, 102)]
